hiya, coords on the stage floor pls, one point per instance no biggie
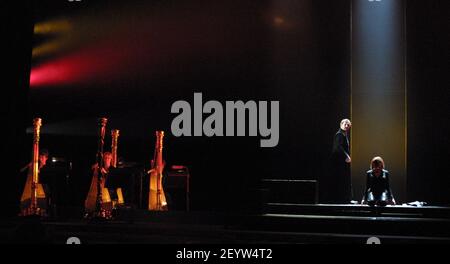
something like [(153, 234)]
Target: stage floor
[(278, 224)]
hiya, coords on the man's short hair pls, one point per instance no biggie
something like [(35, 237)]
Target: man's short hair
[(345, 120)]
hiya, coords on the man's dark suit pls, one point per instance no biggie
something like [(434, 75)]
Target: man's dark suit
[(339, 181)]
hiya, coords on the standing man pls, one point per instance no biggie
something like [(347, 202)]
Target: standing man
[(341, 184)]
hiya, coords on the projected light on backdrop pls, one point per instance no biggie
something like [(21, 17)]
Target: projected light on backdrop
[(378, 91), (86, 49), (101, 62), (121, 42), (58, 34)]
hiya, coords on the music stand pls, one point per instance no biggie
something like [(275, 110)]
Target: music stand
[(121, 178), (117, 178)]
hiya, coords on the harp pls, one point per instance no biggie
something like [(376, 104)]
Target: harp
[(114, 145), (156, 197), (33, 200), (98, 203)]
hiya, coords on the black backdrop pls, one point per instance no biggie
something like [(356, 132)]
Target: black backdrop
[(301, 60), (17, 29), (428, 100)]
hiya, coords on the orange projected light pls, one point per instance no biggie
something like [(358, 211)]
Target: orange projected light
[(60, 28), (52, 27), (48, 48)]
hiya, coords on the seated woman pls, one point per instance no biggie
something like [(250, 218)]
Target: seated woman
[(378, 191)]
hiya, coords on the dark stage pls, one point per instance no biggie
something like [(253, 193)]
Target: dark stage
[(241, 122), (280, 224)]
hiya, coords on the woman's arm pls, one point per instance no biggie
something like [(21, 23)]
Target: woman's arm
[(389, 190), (368, 184)]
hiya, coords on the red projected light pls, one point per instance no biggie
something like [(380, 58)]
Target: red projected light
[(90, 65)]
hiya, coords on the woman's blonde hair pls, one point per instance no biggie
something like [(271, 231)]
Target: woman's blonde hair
[(375, 161)]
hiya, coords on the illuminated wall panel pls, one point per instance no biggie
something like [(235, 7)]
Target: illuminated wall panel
[(378, 108)]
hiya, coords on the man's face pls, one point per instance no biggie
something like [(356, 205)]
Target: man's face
[(346, 125)]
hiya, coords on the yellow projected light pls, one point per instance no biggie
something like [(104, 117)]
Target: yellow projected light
[(52, 27), (60, 29)]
